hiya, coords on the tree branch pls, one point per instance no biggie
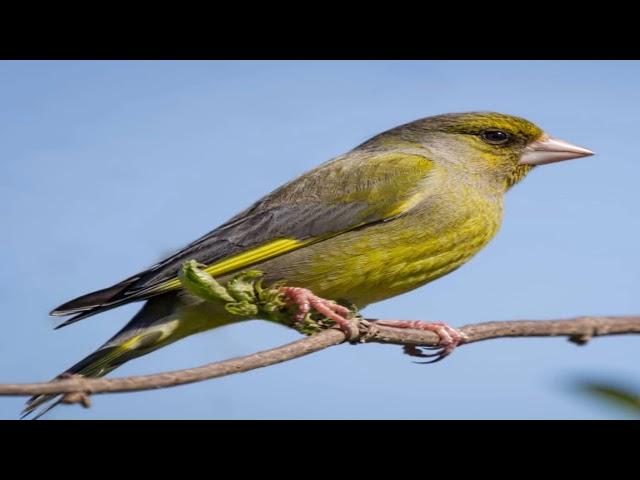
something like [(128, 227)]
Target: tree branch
[(579, 330)]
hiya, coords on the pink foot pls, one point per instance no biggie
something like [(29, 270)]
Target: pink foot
[(306, 300), (449, 337)]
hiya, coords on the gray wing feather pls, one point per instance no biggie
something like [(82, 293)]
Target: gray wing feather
[(253, 229)]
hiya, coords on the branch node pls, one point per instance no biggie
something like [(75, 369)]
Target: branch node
[(590, 330), (366, 331), (77, 397), (581, 339)]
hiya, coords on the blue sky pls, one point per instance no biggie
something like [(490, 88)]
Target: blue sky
[(106, 167)]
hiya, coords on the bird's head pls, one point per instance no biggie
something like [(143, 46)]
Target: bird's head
[(502, 148)]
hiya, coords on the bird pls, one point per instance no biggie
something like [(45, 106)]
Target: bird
[(404, 208)]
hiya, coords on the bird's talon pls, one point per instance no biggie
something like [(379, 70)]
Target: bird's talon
[(415, 351), (440, 357), (306, 300), (429, 355), (450, 338)]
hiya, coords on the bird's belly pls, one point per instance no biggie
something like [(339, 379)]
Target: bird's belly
[(385, 260)]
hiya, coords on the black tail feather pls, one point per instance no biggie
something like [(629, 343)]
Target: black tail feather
[(91, 311), (97, 364), (94, 299), (95, 302), (115, 351)]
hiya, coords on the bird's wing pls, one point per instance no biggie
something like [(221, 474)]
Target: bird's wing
[(349, 192)]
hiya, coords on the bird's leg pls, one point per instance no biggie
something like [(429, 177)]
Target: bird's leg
[(449, 337), (305, 300)]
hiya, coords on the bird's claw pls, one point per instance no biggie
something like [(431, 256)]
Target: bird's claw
[(450, 338), (415, 351), (305, 300)]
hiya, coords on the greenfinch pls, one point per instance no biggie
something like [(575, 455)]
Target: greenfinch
[(400, 210)]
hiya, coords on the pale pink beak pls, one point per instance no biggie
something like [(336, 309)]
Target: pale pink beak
[(549, 150)]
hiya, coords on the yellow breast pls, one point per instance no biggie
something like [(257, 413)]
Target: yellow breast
[(384, 260)]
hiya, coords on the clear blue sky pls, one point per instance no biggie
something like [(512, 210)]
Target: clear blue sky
[(105, 167)]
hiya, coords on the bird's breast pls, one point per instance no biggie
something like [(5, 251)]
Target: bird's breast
[(383, 260)]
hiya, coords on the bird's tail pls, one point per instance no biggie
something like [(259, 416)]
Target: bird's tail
[(97, 364), (161, 321)]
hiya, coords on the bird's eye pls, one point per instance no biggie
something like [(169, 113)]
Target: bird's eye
[(495, 137)]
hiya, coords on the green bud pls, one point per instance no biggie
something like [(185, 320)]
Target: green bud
[(241, 287), (201, 284)]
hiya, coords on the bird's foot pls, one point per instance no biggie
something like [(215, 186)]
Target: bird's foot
[(305, 300), (450, 338)]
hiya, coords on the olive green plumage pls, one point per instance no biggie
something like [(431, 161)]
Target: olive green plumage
[(402, 209)]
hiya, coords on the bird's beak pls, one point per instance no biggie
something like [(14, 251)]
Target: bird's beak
[(548, 150)]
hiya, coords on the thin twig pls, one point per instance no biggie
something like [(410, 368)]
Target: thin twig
[(579, 330)]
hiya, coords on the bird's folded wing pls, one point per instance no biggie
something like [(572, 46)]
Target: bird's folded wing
[(349, 192)]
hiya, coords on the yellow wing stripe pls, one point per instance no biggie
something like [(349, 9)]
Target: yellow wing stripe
[(273, 249), (236, 262)]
